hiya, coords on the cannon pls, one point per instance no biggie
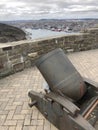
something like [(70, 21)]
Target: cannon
[(71, 101)]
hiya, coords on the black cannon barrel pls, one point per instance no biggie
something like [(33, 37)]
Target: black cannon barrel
[(61, 75)]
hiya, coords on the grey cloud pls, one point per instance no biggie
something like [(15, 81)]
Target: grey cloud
[(2, 6), (48, 8), (63, 4)]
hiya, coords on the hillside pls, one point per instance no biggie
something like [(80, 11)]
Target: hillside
[(9, 33)]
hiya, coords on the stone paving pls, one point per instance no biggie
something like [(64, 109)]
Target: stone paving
[(14, 111)]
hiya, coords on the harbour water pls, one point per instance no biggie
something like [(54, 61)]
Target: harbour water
[(43, 33)]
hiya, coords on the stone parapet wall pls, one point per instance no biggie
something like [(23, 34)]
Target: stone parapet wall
[(14, 56)]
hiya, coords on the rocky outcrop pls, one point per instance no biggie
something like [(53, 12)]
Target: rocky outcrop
[(9, 33)]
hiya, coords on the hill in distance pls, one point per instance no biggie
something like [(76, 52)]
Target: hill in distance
[(9, 33)]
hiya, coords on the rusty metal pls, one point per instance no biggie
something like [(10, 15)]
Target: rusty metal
[(72, 101), (59, 73), (91, 109)]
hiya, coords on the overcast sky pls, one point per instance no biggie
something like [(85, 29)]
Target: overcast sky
[(40, 9)]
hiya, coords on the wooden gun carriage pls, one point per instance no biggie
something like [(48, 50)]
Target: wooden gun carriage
[(71, 103)]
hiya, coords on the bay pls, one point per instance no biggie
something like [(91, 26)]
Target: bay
[(43, 33)]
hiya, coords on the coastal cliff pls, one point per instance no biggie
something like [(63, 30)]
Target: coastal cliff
[(9, 33)]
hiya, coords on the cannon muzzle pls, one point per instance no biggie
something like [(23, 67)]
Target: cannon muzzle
[(60, 74)]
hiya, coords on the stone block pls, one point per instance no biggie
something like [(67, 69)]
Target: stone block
[(18, 67)]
